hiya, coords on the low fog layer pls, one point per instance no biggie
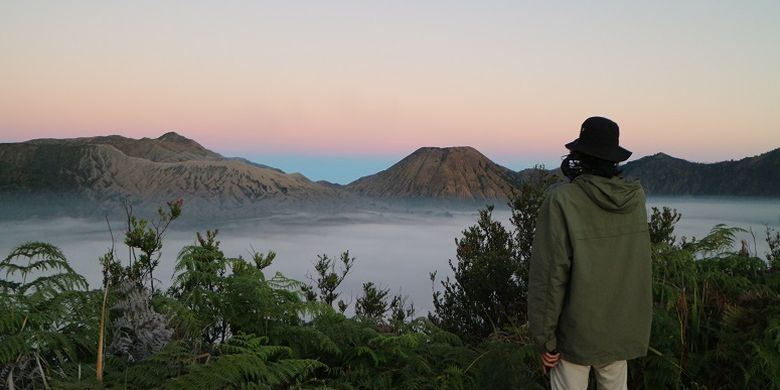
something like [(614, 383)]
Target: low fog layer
[(395, 250), (699, 215)]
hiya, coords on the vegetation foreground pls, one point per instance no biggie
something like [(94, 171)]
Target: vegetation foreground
[(226, 323)]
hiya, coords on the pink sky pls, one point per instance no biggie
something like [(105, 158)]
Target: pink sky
[(697, 80)]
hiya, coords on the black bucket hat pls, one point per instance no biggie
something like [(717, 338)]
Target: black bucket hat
[(599, 138)]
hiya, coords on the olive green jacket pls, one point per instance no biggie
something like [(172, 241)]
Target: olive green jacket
[(589, 287)]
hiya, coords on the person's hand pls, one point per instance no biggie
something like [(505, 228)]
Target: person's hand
[(550, 360)]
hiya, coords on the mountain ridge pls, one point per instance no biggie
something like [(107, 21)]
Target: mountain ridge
[(102, 171), (106, 170), (662, 174)]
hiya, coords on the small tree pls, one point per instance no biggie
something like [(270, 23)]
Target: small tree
[(148, 241), (328, 280), (773, 256), (483, 296), (662, 224), (144, 244), (525, 204), (372, 305), (400, 311), (199, 283), (490, 289)]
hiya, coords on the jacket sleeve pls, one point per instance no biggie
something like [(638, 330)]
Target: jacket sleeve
[(548, 274)]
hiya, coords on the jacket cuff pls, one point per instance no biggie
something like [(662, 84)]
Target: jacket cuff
[(551, 345)]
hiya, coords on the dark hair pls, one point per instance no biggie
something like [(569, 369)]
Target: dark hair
[(577, 163)]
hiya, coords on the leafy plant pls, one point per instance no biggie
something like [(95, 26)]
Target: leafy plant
[(246, 361), (147, 237), (485, 293), (138, 330), (328, 279), (47, 320), (661, 225), (525, 204), (372, 305), (199, 286), (773, 256), (713, 307)]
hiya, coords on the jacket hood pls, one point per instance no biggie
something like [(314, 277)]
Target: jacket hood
[(614, 194)]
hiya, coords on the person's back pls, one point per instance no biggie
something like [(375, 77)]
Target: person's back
[(590, 275), (606, 315)]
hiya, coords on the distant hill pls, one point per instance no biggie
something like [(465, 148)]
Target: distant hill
[(104, 170), (439, 173), (662, 174)]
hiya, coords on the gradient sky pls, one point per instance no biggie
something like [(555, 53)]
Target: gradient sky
[(340, 89)]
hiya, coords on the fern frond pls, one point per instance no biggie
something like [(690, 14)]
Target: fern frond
[(12, 346), (720, 239), (48, 256), (153, 371), (307, 339), (364, 351), (281, 282), (245, 361), (53, 284)]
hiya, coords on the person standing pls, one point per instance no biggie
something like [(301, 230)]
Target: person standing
[(589, 287)]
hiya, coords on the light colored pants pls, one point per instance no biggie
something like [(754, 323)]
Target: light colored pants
[(570, 376)]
